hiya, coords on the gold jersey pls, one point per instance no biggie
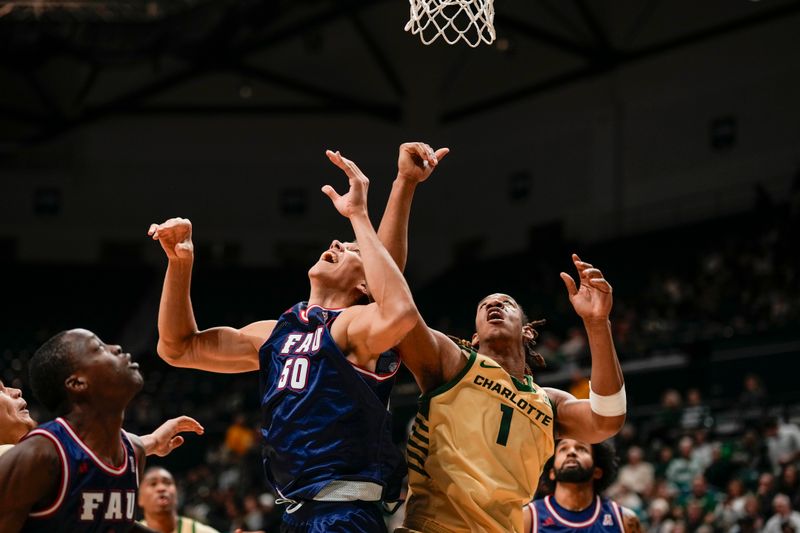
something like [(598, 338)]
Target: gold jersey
[(476, 451)]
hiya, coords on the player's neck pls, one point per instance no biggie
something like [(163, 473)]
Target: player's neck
[(100, 431), (328, 298), (574, 496), (507, 355), (165, 522)]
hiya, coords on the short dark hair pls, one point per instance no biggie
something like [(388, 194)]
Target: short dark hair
[(49, 367), (604, 457)]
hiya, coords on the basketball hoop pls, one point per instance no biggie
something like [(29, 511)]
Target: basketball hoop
[(469, 20)]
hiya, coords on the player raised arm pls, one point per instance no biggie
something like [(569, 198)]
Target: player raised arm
[(602, 416), (415, 163), (429, 354), (367, 331), (180, 342)]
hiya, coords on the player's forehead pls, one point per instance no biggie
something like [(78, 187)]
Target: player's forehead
[(83, 336), (501, 296), (564, 444), (158, 474)]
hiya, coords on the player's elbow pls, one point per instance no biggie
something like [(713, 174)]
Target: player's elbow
[(406, 319), (606, 427), (173, 353)]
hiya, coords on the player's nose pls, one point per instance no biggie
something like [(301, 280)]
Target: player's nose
[(336, 245)]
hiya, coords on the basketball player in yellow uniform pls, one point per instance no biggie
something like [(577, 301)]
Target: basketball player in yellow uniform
[(484, 429)]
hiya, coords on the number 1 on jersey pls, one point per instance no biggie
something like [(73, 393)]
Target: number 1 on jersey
[(505, 424)]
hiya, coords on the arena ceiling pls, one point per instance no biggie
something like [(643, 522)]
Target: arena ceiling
[(64, 64)]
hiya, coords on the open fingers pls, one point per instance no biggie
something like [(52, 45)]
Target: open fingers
[(187, 423), (572, 289), (591, 273), (600, 284), (336, 158), (580, 266)]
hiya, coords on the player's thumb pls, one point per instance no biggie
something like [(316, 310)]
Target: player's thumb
[(175, 442), (572, 289), (328, 191), (440, 153), (183, 249)]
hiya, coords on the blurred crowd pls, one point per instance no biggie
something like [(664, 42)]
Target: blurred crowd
[(678, 473)]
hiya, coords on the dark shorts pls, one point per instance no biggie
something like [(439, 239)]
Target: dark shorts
[(335, 517)]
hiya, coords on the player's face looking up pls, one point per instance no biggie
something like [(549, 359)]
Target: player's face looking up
[(157, 493), (498, 315), (340, 267), (15, 420), (105, 367), (573, 462)]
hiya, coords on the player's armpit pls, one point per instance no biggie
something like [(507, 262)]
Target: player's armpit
[(141, 452), (30, 474), (630, 521), (225, 350), (576, 420)]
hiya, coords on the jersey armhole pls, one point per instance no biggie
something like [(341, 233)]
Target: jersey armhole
[(618, 512), (471, 355), (425, 399), (62, 491)]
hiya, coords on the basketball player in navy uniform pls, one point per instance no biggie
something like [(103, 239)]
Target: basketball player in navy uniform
[(16, 422), (80, 472), (325, 366), (581, 472)]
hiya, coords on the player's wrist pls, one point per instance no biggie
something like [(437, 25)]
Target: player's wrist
[(596, 322), (405, 181), (359, 215), (181, 261)]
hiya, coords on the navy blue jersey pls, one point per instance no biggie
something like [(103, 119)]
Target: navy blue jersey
[(325, 420), (603, 516), (92, 496)]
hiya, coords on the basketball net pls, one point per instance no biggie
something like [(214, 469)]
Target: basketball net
[(469, 20)]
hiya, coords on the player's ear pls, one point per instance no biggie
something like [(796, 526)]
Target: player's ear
[(527, 332), (551, 474), (362, 288), (476, 342), (598, 473), (75, 383)]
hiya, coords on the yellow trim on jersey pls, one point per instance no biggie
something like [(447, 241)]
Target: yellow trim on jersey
[(476, 450)]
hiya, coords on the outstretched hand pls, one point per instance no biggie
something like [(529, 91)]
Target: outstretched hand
[(163, 440), (175, 236), (355, 201), (593, 299), (416, 161)]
